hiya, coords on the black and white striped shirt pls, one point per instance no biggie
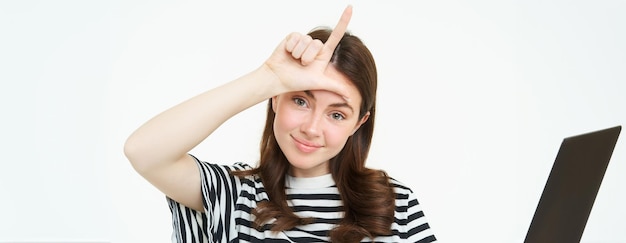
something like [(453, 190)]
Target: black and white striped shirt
[(228, 201)]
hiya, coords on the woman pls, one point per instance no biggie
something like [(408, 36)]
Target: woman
[(311, 183)]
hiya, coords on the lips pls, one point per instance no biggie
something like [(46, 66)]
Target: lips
[(305, 146)]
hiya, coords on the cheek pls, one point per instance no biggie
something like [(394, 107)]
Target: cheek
[(337, 136), (286, 120)]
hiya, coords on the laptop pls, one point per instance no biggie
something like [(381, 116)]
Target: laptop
[(572, 186)]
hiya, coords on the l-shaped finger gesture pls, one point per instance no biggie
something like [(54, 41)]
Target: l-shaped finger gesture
[(300, 61)]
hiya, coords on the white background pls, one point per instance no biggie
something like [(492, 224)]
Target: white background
[(474, 100)]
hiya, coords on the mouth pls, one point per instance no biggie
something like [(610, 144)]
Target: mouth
[(304, 146)]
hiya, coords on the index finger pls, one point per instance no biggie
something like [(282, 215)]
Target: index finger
[(339, 31)]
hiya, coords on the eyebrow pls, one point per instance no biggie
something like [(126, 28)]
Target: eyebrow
[(343, 104)]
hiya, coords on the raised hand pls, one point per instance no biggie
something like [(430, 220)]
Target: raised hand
[(299, 61)]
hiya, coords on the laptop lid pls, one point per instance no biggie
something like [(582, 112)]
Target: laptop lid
[(572, 186)]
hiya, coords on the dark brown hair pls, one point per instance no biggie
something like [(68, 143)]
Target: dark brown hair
[(366, 194)]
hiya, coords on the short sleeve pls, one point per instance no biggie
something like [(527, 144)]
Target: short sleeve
[(220, 190)]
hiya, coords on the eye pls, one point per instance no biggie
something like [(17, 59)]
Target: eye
[(299, 101), (337, 116)]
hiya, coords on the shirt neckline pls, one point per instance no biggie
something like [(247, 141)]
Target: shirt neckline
[(322, 181)]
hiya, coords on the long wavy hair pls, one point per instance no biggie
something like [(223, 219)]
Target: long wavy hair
[(367, 196)]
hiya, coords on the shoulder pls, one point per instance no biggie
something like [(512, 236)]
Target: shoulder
[(216, 170), (228, 167), (400, 187), (405, 196), (241, 166)]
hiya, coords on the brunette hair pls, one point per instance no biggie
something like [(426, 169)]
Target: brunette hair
[(367, 196)]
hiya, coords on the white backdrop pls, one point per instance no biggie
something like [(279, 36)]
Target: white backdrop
[(474, 100)]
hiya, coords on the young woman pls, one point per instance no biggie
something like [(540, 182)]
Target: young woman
[(311, 183)]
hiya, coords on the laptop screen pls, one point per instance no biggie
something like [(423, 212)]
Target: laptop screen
[(572, 186)]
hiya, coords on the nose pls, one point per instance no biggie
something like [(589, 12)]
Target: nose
[(311, 126)]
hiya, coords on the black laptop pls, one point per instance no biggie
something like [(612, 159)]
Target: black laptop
[(572, 186)]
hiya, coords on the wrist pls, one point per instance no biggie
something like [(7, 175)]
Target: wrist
[(271, 81)]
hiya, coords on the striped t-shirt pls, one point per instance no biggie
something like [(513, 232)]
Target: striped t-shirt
[(228, 201)]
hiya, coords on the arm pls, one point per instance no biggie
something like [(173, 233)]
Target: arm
[(158, 150)]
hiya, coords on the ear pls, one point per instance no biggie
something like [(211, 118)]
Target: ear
[(363, 120)]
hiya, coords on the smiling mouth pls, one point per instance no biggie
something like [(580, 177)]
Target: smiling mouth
[(304, 146)]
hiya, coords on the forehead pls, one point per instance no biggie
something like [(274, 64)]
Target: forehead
[(352, 93)]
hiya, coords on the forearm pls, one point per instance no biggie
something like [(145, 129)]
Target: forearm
[(173, 133)]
